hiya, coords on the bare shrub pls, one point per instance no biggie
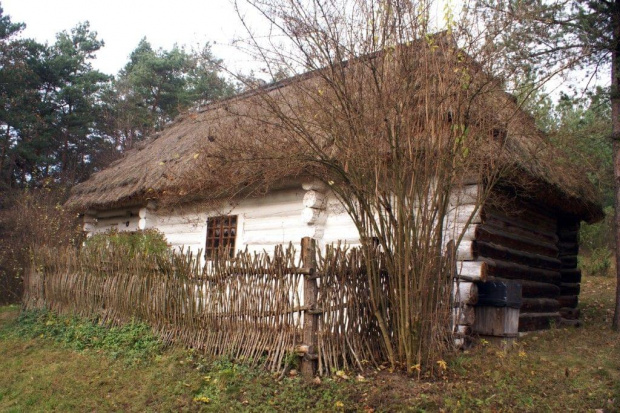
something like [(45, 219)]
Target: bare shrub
[(30, 218), (392, 121)]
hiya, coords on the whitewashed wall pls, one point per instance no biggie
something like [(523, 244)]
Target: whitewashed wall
[(286, 216), (277, 218), (462, 220), (262, 223), (338, 226), (123, 219)]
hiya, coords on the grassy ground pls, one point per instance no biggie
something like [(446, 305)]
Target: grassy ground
[(574, 369)]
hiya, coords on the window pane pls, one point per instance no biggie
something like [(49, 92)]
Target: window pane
[(221, 233)]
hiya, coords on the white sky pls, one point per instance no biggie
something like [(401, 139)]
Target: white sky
[(122, 23)]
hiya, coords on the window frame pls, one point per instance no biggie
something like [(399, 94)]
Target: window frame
[(214, 241)]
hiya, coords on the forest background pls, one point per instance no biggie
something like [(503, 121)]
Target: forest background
[(61, 120)]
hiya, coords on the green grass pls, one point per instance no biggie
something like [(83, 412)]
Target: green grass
[(40, 374), (9, 308), (134, 341), (66, 369)]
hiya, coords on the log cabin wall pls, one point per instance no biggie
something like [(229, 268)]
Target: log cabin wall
[(461, 221), (568, 246), (525, 242)]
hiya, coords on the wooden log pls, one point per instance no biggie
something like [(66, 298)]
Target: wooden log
[(568, 248), (454, 231), (142, 212), (571, 275), (538, 321), (570, 224), (288, 220), (570, 288), (565, 235), (463, 331), (464, 292), (540, 305), (569, 261), (122, 224), (89, 219), (465, 195), (469, 234), (314, 185), (313, 199), (519, 207), (317, 231), (466, 251), (465, 214), (118, 213), (511, 271), (464, 315), (533, 225), (500, 293), (570, 313), (496, 321), (471, 270), (570, 301), (517, 242), (185, 239), (310, 215), (535, 289), (495, 251)]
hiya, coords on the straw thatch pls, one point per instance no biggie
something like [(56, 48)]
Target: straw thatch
[(173, 165)]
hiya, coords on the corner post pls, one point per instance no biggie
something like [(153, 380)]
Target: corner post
[(311, 317)]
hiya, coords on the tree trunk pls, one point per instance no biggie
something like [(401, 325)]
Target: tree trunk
[(615, 119), (5, 148)]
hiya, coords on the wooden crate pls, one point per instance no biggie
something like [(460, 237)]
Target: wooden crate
[(496, 321)]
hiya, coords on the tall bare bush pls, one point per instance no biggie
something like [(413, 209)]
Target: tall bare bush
[(392, 120), (30, 218)]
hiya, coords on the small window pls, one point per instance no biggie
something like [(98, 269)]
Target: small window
[(221, 234)]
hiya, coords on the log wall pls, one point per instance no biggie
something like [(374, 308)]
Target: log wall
[(524, 242), (570, 281)]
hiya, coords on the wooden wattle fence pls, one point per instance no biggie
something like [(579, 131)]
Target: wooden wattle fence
[(255, 308)]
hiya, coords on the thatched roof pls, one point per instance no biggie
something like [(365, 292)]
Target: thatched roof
[(165, 166), (161, 166)]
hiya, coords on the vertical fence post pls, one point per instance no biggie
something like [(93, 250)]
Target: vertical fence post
[(311, 317)]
